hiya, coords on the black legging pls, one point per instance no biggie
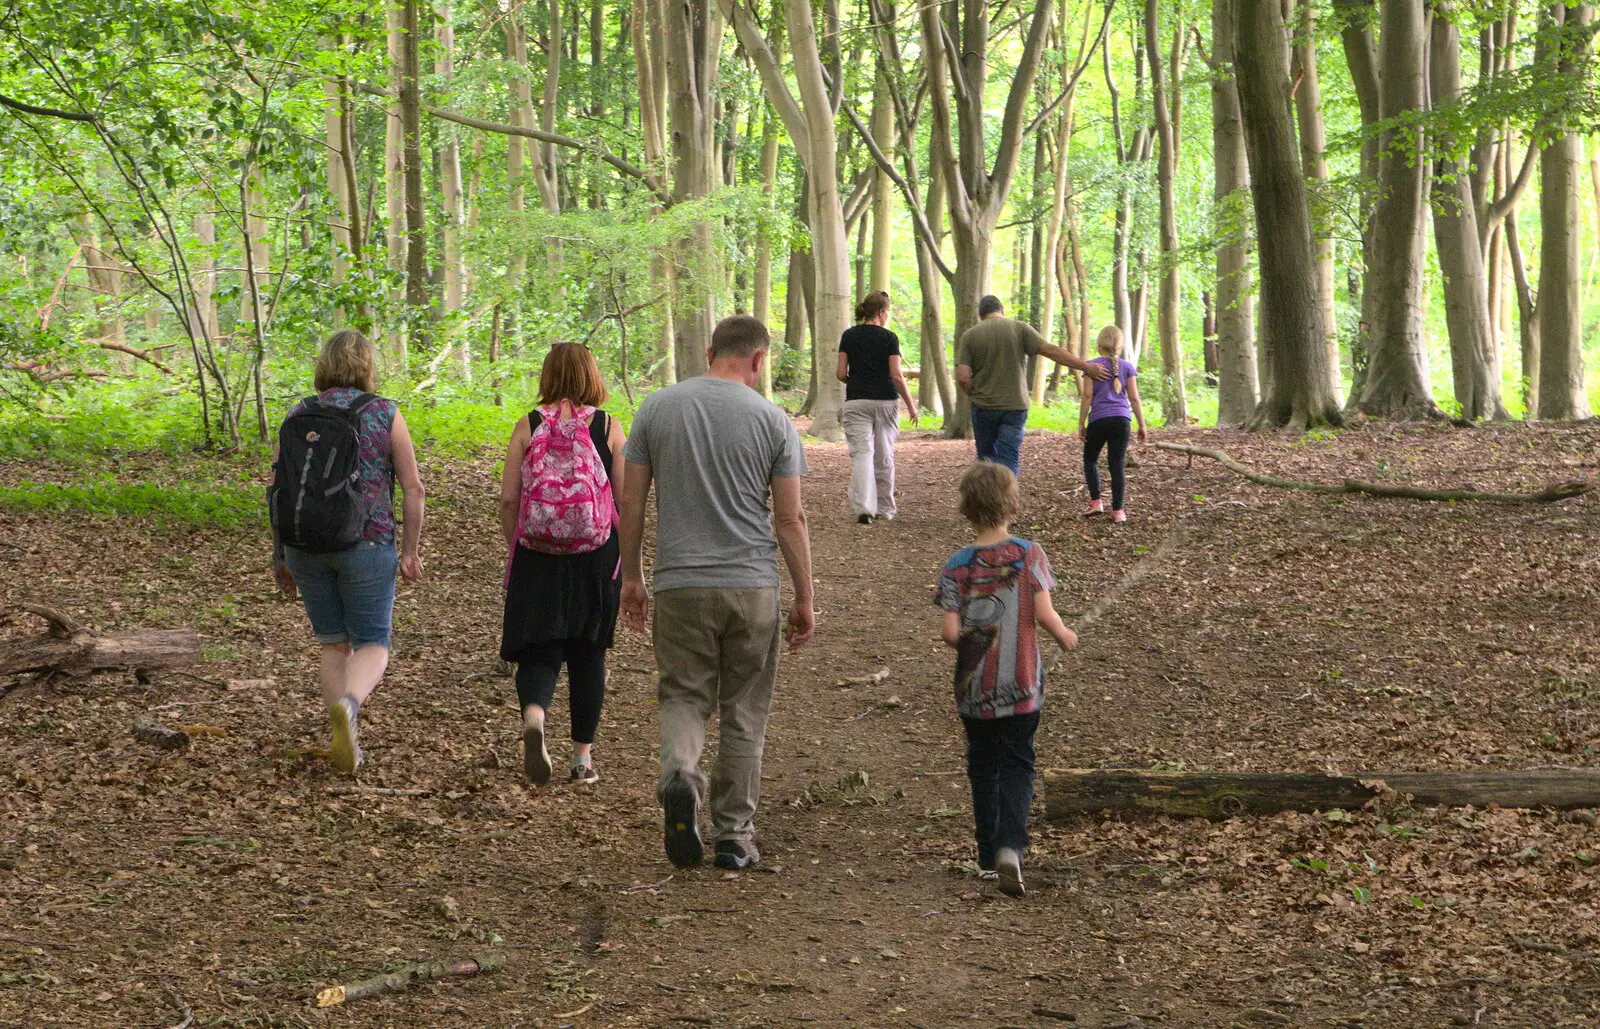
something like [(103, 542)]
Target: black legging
[(586, 677), (1111, 433)]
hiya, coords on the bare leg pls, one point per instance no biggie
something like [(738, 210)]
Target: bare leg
[(363, 670), (335, 659)]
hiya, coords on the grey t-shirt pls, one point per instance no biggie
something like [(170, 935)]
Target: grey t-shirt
[(713, 447)]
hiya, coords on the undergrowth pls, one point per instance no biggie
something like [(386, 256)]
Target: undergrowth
[(226, 506)]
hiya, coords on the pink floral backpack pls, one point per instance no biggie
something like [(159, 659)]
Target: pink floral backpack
[(567, 505)]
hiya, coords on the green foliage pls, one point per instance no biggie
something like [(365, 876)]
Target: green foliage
[(227, 507)]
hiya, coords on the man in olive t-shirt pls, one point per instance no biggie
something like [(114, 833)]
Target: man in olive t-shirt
[(992, 368)]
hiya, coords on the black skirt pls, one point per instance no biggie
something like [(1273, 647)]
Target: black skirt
[(561, 597)]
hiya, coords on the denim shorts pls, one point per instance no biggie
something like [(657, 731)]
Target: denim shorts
[(349, 594)]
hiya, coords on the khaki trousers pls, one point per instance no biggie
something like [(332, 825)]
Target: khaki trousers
[(717, 652), (870, 429)]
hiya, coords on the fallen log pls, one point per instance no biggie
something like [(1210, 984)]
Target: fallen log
[(147, 730), (1219, 795), (1548, 495), (72, 648), (412, 972)]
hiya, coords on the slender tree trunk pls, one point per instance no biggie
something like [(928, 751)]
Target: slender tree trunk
[(338, 189), (1362, 60), (1175, 406), (1237, 385), (1313, 144), (203, 312), (1299, 392), (1052, 246), (1562, 393), (1528, 312), (417, 298), (762, 303), (934, 391), (1397, 371), (454, 212), (1474, 358), (650, 79), (693, 50), (394, 186), (882, 188)]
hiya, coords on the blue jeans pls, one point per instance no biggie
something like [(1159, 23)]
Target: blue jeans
[(1000, 767), (348, 594), (999, 436)]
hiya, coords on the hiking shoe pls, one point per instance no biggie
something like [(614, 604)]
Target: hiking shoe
[(736, 855), (1096, 507), (681, 824), (1119, 516), (583, 775), (1008, 869), (987, 875), (345, 751), (535, 757), (864, 519)]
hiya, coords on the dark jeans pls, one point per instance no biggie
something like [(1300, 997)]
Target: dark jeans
[(1111, 433), (998, 435), (1000, 767), (586, 679)]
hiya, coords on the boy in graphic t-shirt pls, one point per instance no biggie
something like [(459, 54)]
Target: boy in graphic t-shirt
[(995, 595)]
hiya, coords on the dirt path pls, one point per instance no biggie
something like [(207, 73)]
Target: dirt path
[(1289, 632)]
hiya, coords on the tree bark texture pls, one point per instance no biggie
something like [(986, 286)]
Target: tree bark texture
[(394, 185), (1174, 402), (455, 274), (692, 47), (1314, 160), (1298, 392), (72, 649), (411, 157), (1237, 383)]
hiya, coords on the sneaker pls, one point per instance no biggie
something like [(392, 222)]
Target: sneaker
[(865, 519), (535, 757), (345, 751), (736, 855), (681, 809), (1008, 869), (1119, 516), (987, 875), (583, 775), (1096, 507)]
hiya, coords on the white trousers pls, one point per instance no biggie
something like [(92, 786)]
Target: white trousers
[(870, 428)]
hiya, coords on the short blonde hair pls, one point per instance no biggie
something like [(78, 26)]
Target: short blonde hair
[(347, 360), (1109, 343), (989, 494), (571, 373)]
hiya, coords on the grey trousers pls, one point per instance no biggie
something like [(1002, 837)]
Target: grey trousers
[(717, 652), (870, 428)]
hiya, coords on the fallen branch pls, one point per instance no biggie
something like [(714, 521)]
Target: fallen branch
[(375, 791), (71, 648), (1548, 495), (863, 680), (1226, 794), (413, 972)]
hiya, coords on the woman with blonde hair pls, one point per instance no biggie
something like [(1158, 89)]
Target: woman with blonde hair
[(1103, 422), (332, 500), (558, 514), (869, 366)]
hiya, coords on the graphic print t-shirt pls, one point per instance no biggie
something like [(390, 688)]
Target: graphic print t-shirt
[(998, 668)]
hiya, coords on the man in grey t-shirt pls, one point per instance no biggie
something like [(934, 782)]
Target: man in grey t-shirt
[(716, 449)]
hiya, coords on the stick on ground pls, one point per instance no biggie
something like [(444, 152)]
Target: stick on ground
[(414, 972), (1548, 495)]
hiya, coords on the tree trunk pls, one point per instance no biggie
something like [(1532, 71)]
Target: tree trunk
[(882, 188), (1299, 392), (1237, 384), (1528, 312), (203, 312), (1052, 245), (650, 79), (338, 189), (1562, 395), (1174, 402), (411, 151), (692, 47), (72, 649), (1397, 362), (1227, 794), (1474, 358), (1313, 158), (934, 391), (762, 303), (394, 186), (454, 212)]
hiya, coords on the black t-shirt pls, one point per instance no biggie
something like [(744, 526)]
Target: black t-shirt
[(869, 348)]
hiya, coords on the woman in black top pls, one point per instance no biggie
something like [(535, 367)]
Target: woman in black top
[(561, 608), (869, 366)]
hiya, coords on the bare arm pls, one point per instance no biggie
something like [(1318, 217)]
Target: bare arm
[(1045, 614), (1085, 398), (511, 480), (897, 376), (1061, 355), (964, 377), (635, 491), (1138, 408), (404, 456), (616, 440), (842, 369), (950, 631), (789, 522)]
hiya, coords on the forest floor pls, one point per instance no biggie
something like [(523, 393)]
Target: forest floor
[(1287, 631)]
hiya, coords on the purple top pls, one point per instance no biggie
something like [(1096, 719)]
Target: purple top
[(1110, 398), (374, 461)]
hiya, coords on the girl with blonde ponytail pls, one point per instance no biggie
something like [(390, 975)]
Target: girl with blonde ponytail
[(1104, 422)]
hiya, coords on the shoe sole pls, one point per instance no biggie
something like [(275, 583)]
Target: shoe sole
[(681, 829), (734, 864), (589, 781), (1010, 880), (344, 752), (535, 758)]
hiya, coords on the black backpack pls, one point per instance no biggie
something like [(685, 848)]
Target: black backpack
[(315, 498)]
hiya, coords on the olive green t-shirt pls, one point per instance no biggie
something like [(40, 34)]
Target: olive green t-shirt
[(997, 350)]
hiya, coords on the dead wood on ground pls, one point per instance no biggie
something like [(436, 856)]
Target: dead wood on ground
[(71, 648), (413, 972)]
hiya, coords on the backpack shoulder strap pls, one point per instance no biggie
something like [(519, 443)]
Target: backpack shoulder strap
[(535, 417)]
